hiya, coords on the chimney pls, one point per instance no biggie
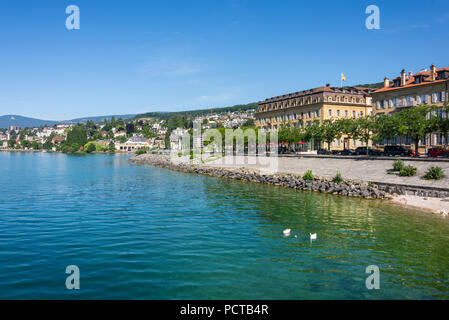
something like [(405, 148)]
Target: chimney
[(433, 72), (328, 85), (403, 78), (386, 82)]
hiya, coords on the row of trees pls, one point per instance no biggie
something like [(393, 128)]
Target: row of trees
[(415, 123)]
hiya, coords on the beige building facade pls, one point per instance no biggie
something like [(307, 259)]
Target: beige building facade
[(427, 87), (318, 104)]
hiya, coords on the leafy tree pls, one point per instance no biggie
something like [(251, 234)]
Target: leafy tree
[(385, 127), (314, 132), (415, 122), (111, 147), (35, 145), (11, 143), (90, 147), (331, 131), (47, 145), (350, 128), (130, 128), (366, 126), (442, 122), (75, 147), (77, 135)]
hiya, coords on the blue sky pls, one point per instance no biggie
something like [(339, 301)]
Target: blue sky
[(138, 56)]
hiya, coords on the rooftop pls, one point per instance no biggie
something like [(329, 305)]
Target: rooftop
[(329, 89), (418, 79)]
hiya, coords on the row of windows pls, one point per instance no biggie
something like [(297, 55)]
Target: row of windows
[(303, 101), (409, 101), (337, 113), (312, 115), (291, 117)]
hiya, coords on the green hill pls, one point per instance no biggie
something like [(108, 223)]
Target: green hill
[(196, 113)]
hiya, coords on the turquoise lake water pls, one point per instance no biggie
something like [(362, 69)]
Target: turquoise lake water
[(139, 232)]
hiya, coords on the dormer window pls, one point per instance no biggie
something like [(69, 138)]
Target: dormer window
[(418, 79), (397, 83), (444, 74)]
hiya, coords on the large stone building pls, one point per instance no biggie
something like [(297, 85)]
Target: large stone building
[(303, 107), (428, 87)]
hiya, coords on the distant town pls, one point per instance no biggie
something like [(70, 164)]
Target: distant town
[(119, 135)]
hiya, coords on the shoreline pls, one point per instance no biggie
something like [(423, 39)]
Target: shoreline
[(351, 188), (77, 152)]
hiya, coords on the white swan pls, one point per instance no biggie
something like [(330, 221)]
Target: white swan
[(287, 232), (313, 236)]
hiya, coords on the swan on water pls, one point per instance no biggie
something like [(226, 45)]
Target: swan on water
[(287, 232), (313, 236)]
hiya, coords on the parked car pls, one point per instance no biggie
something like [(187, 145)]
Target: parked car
[(347, 152), (367, 151), (335, 152), (374, 152), (323, 151), (437, 152), (398, 151)]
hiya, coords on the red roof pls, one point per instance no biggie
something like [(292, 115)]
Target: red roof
[(410, 80)]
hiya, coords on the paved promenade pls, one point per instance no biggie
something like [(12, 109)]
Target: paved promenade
[(365, 170)]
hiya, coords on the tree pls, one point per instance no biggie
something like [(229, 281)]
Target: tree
[(11, 143), (91, 147), (313, 132), (415, 122), (351, 128), (331, 131), (386, 127), (442, 123), (111, 146), (47, 145), (77, 135), (366, 126), (130, 128)]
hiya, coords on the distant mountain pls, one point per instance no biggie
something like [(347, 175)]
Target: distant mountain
[(25, 122), (19, 121)]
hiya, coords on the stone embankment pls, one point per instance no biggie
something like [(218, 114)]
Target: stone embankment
[(323, 185)]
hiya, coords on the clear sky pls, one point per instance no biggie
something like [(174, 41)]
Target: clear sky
[(136, 56)]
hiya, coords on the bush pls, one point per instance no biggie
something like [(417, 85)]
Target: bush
[(141, 151), (91, 147), (407, 171), (111, 147), (434, 173), (75, 147), (398, 165), (337, 179), (308, 175)]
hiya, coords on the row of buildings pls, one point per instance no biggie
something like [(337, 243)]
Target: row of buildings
[(405, 91)]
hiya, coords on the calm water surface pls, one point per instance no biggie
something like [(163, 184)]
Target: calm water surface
[(138, 232)]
